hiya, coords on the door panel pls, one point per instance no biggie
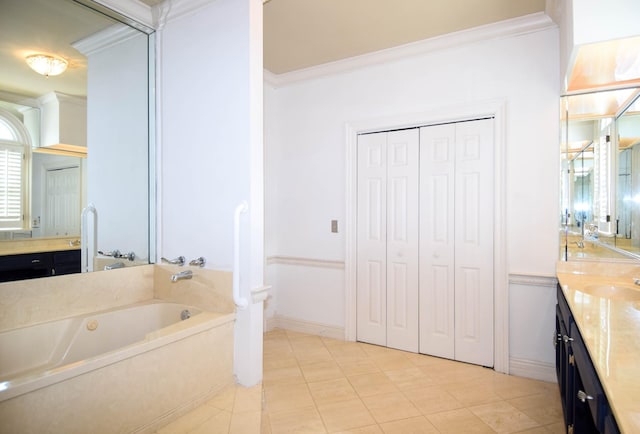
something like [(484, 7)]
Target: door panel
[(62, 207), (402, 240), (371, 272), (474, 242), (437, 170)]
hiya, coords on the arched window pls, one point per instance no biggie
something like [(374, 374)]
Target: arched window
[(14, 152)]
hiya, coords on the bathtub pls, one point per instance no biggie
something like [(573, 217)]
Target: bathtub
[(129, 369)]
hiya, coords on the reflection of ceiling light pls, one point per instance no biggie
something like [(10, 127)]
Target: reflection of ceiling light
[(46, 64)]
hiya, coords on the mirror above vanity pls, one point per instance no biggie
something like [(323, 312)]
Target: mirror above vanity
[(89, 134), (600, 179)]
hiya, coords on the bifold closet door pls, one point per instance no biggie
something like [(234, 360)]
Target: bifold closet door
[(456, 241), (387, 239)]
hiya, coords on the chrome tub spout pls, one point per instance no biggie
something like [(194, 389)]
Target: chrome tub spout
[(183, 275)]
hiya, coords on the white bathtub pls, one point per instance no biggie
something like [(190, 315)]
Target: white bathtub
[(121, 370)]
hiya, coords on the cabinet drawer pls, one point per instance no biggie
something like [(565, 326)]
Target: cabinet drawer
[(591, 384)]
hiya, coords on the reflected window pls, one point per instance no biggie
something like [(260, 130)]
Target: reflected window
[(14, 146)]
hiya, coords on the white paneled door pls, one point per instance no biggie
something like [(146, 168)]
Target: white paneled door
[(387, 266), (62, 206), (425, 240), (456, 241)]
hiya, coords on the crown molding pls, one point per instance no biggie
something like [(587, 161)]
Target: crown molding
[(134, 10), (502, 29), (170, 10), (103, 39)]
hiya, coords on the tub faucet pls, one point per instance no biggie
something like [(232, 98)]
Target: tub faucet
[(114, 266), (199, 262), (183, 275)]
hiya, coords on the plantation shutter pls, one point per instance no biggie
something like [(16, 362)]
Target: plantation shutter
[(11, 194)]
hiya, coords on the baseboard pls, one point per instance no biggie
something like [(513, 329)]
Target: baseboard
[(302, 326), (532, 369)]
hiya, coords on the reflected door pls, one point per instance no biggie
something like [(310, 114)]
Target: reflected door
[(62, 206)]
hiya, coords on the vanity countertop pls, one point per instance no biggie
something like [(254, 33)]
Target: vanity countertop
[(610, 328), (38, 245)]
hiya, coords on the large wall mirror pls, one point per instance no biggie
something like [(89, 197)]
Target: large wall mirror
[(600, 179), (90, 130)]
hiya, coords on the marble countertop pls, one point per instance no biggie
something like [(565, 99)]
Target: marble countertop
[(610, 328), (38, 245)]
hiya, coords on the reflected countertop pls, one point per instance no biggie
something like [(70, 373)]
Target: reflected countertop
[(38, 245), (610, 328)]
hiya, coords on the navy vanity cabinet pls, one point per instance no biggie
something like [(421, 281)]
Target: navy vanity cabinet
[(585, 406), (42, 264)]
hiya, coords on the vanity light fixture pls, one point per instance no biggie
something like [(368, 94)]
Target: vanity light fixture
[(47, 64)]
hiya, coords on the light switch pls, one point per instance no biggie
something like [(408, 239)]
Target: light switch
[(334, 226)]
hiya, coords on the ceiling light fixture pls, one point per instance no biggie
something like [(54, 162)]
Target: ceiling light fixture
[(47, 64)]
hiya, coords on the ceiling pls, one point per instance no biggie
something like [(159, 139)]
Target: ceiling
[(44, 26), (297, 33), (304, 33)]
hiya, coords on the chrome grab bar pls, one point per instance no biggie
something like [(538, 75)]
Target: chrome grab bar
[(177, 261), (85, 264), (241, 302)]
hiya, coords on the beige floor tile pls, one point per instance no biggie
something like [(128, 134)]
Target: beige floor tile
[(275, 361), (225, 399), (190, 421), (306, 343), (347, 353), (357, 367), (280, 376), (459, 421), (372, 429), (245, 422), (536, 430), (390, 406), (299, 420), (313, 355), (556, 428), (377, 350), (344, 415), (265, 423), (248, 399), (218, 424), (392, 362), (413, 425), (320, 371), (503, 417), (331, 391), (409, 378), (472, 393), (543, 408), (451, 372), (372, 384), (287, 397), (509, 386), (433, 399)]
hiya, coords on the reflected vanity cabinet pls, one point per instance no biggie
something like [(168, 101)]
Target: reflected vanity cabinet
[(42, 264), (584, 404)]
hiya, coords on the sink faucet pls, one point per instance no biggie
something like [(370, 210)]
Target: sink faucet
[(183, 275)]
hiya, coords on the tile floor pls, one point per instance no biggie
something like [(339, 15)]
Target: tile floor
[(318, 385)]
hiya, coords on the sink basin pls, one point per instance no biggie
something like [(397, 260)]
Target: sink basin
[(614, 292)]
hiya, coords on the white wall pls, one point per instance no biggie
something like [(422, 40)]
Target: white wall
[(117, 144), (210, 100), (305, 171)]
